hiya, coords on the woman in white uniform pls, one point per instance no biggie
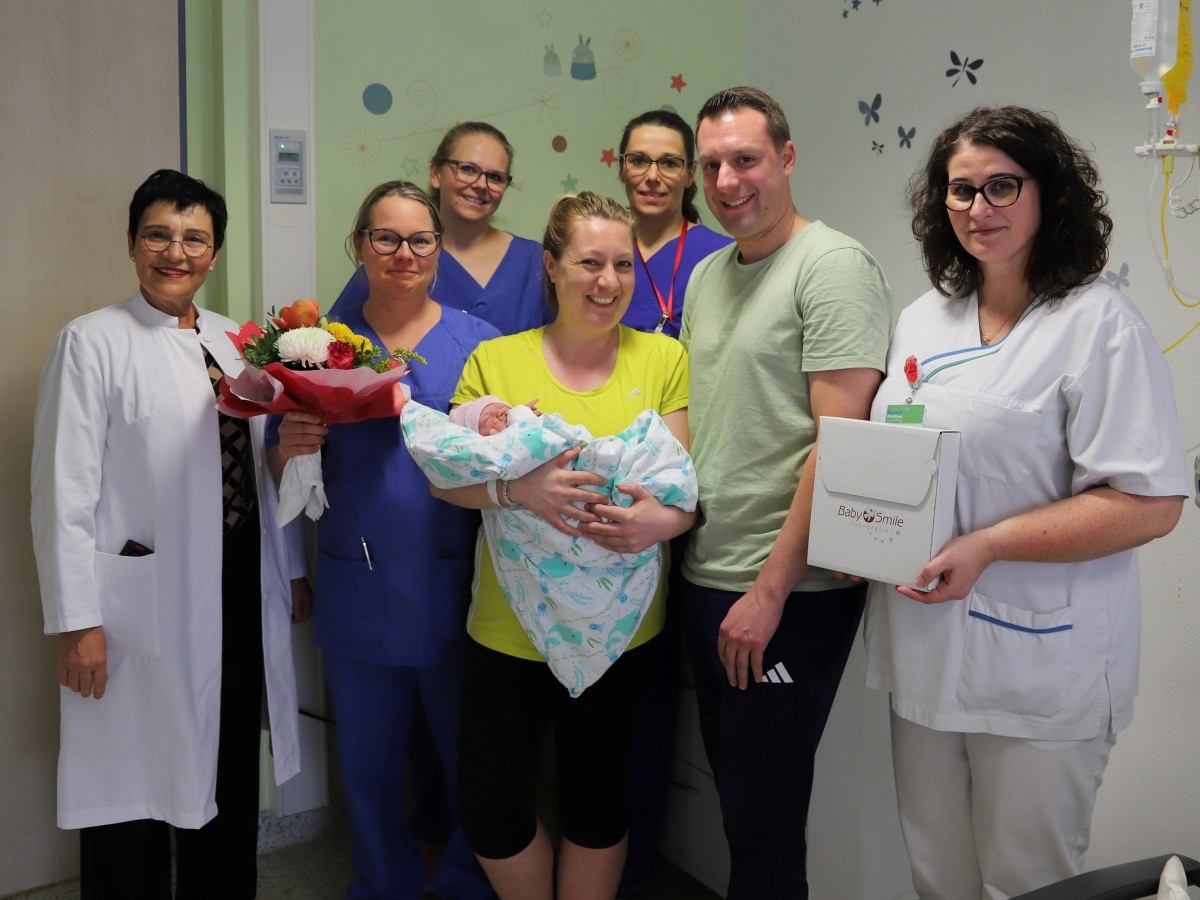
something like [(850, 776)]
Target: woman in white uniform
[(163, 574), (1010, 679)]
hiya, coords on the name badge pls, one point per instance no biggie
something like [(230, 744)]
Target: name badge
[(905, 414)]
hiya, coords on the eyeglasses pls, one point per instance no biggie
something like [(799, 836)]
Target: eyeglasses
[(999, 192), (386, 242), (469, 173), (193, 245), (639, 164)]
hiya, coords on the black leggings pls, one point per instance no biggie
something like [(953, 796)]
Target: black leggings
[(508, 705)]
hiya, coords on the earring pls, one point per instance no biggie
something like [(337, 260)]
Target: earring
[(210, 268), (131, 259)]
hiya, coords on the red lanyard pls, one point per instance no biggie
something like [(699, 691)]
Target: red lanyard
[(669, 306)]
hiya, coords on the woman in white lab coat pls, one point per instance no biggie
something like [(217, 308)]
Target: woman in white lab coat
[(162, 572), (1010, 680)]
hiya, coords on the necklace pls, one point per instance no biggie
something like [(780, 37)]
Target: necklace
[(986, 339)]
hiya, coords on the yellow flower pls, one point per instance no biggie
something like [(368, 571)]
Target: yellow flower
[(362, 343), (339, 331)]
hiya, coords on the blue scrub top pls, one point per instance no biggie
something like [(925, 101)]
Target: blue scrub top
[(513, 300), (644, 312), (409, 606)]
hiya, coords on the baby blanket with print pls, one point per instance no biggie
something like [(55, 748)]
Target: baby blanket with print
[(579, 604)]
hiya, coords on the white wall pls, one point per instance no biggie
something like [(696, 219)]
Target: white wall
[(1069, 57)]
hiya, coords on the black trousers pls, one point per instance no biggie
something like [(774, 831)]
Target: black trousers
[(761, 742), (129, 860)]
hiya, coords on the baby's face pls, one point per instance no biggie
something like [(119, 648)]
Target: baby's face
[(494, 418)]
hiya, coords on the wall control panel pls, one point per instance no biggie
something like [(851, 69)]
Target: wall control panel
[(289, 162)]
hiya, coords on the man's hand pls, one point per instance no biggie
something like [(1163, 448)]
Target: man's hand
[(83, 661), (745, 633)]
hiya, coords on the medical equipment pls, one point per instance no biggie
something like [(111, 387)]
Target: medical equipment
[(1160, 52)]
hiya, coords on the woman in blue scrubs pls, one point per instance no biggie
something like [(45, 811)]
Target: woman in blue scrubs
[(658, 169), (395, 565), (492, 274)]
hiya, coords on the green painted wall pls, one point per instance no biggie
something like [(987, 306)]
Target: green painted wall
[(222, 139), (392, 76)]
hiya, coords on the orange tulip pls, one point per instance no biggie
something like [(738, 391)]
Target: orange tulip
[(301, 314)]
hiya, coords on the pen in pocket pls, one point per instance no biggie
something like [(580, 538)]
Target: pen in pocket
[(366, 554)]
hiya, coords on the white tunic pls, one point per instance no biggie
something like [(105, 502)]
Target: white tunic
[(125, 446), (1077, 396)]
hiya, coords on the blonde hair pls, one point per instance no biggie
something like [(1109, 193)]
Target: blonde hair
[(462, 130), (566, 214), (404, 189)]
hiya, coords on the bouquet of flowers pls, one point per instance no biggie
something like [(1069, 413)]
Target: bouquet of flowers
[(301, 361)]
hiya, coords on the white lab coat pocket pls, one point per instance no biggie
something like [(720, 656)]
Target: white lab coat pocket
[(1015, 660), (127, 589), (998, 442)]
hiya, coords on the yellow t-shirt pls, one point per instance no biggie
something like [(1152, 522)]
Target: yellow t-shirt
[(651, 373)]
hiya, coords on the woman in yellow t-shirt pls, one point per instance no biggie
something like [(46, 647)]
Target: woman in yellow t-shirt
[(597, 373)]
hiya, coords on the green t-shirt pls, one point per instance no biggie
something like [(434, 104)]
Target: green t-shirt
[(651, 373), (818, 303)]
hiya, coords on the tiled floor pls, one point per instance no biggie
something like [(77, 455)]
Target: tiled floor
[(320, 870)]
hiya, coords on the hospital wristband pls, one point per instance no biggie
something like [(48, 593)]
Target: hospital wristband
[(491, 491)]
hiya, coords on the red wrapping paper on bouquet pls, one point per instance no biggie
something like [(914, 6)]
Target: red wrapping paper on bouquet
[(335, 395)]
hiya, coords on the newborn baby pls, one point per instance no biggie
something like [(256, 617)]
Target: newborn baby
[(486, 416), (579, 604)]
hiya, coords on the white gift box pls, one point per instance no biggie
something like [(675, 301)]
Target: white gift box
[(883, 499)]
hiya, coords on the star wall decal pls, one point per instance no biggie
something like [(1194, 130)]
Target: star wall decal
[(544, 18), (608, 157), (569, 183), (677, 83)]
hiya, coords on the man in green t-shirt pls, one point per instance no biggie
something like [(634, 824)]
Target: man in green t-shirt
[(788, 324)]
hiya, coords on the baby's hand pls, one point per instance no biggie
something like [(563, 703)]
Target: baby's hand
[(494, 418)]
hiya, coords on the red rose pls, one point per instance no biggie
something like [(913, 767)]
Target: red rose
[(341, 355), (912, 370)]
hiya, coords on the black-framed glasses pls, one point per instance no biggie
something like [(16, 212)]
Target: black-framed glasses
[(639, 164), (1001, 191), (469, 173), (386, 242), (193, 245)]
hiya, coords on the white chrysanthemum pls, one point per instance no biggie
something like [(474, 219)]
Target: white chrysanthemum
[(307, 346)]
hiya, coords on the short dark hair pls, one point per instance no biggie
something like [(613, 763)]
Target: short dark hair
[(569, 211), (668, 118), (465, 129), (183, 193), (735, 98), (1071, 244)]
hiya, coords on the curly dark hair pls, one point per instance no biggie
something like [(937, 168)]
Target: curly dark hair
[(1071, 244)]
